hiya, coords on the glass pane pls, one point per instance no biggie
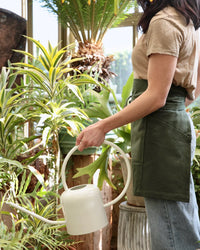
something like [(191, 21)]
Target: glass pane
[(119, 42), (45, 26), (12, 5)]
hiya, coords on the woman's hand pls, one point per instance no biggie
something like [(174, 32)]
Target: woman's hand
[(93, 135)]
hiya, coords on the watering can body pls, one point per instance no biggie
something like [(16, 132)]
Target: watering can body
[(82, 205), (83, 209)]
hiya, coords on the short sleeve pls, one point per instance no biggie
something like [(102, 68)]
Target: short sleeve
[(163, 37)]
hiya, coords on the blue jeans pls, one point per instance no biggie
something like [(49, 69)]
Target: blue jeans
[(174, 225)]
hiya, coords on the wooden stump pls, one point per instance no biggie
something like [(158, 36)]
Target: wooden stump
[(6, 218), (133, 230), (118, 182)]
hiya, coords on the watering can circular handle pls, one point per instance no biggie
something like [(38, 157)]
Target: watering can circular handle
[(127, 165)]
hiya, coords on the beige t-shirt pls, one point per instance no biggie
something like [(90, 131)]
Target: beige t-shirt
[(169, 34)]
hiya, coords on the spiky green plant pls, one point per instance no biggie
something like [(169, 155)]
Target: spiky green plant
[(28, 232), (89, 20), (12, 116), (40, 238), (53, 89)]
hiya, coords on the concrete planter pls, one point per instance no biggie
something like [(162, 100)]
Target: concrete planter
[(133, 230)]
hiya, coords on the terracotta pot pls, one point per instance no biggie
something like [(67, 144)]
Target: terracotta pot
[(131, 198)]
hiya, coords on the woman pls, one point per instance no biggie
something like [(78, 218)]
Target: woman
[(165, 64)]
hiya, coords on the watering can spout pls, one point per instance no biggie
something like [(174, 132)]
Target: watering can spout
[(35, 215), (83, 207)]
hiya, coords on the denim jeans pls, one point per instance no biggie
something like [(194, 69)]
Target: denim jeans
[(174, 225)]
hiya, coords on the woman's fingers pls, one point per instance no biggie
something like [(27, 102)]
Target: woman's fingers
[(79, 138), (90, 141), (91, 136)]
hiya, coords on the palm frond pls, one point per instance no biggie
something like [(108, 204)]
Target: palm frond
[(91, 16)]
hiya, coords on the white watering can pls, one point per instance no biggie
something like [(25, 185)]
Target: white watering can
[(82, 205)]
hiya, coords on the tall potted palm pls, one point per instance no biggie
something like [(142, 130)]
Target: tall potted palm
[(89, 20)]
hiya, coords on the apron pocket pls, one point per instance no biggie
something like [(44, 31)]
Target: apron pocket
[(138, 131)]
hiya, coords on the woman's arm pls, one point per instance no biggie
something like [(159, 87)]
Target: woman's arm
[(161, 70)]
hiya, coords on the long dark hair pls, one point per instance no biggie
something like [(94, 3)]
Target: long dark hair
[(190, 9)]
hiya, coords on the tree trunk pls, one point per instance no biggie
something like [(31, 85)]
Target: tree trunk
[(7, 219)]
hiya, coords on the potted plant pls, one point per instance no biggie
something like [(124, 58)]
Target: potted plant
[(88, 21), (51, 97), (17, 230), (28, 232)]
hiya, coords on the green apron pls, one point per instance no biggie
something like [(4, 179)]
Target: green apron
[(161, 148)]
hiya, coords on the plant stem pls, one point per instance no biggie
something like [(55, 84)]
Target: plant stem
[(73, 27), (75, 2), (100, 21), (92, 22), (56, 150)]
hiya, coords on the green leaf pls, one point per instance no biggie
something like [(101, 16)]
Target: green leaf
[(11, 162), (46, 134), (44, 62), (76, 91), (197, 151), (57, 58), (24, 53), (36, 174), (126, 91), (52, 75), (42, 48), (101, 163), (98, 106)]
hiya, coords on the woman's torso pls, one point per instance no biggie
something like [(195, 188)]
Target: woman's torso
[(169, 34)]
